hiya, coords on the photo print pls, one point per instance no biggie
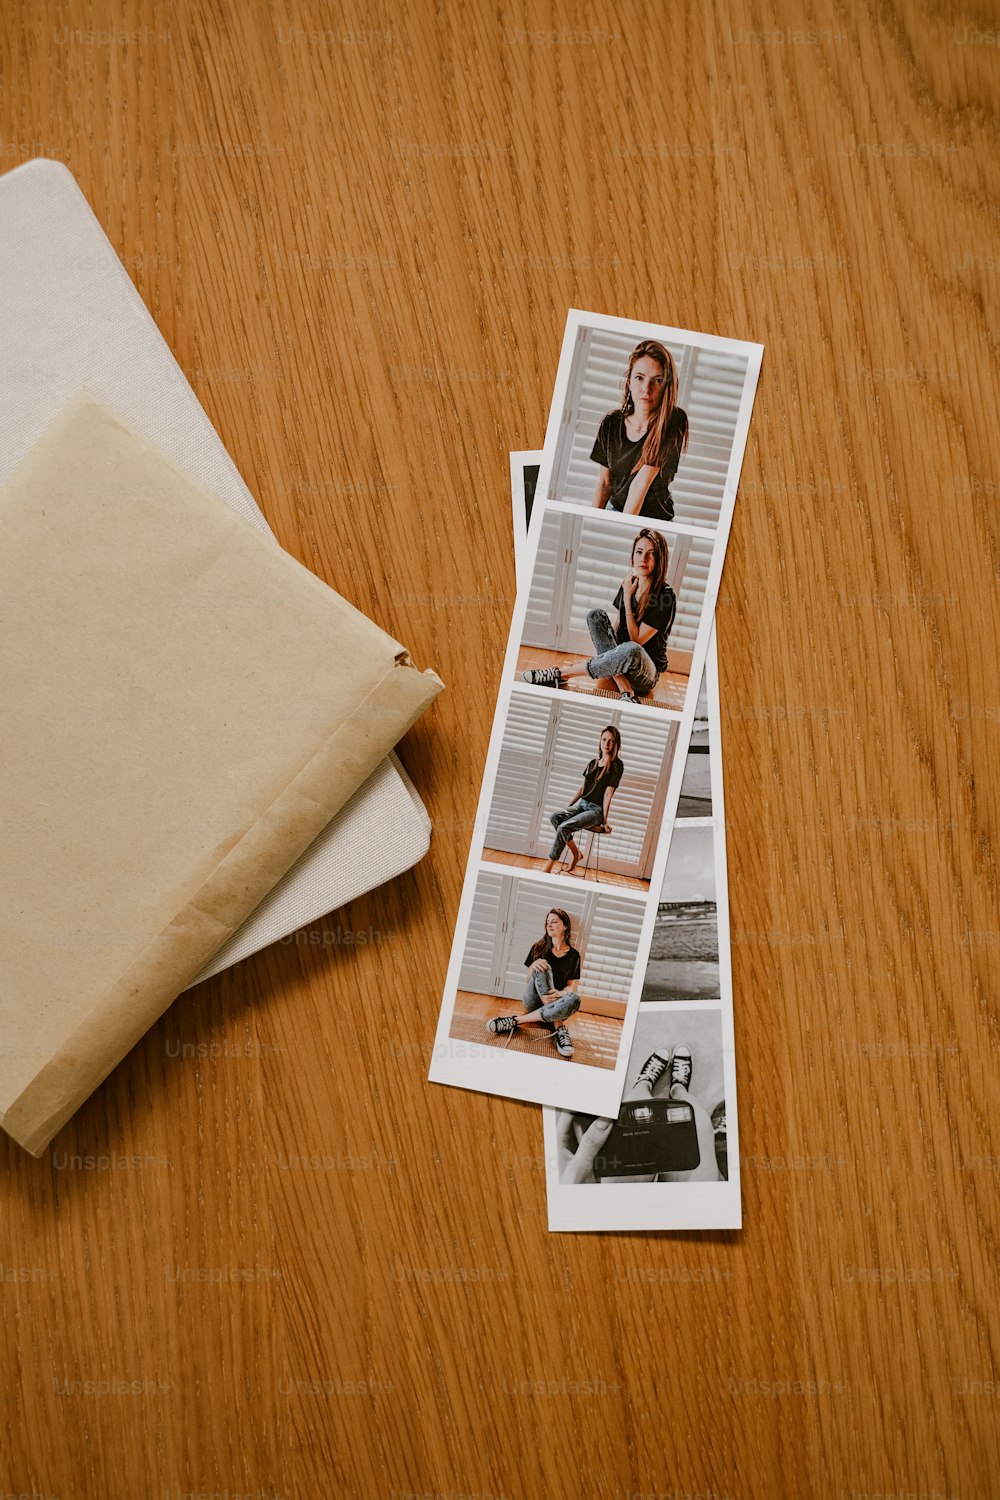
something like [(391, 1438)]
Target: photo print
[(557, 962), (580, 790), (687, 933), (609, 639), (649, 419)]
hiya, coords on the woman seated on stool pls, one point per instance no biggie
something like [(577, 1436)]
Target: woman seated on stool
[(590, 805), (551, 997)]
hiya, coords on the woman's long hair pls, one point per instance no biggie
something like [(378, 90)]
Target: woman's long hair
[(616, 737), (661, 559), (657, 444), (543, 947)]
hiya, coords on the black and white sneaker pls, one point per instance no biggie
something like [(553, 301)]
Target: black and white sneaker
[(681, 1067), (501, 1025), (627, 698), (543, 677), (563, 1041), (653, 1068)]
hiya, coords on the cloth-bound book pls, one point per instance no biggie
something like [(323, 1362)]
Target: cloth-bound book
[(70, 317), (185, 708)]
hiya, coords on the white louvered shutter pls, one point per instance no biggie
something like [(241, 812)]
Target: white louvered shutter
[(483, 945), (540, 621), (518, 791), (690, 601), (637, 806), (614, 925), (710, 385)]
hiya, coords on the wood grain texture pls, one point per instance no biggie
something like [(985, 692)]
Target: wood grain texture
[(291, 1267)]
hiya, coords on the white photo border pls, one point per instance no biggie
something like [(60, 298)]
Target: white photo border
[(581, 1087), (656, 1205)]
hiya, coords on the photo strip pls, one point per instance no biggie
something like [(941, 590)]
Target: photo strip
[(682, 1059), (597, 705)]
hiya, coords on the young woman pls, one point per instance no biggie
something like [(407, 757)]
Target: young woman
[(639, 444), (631, 644), (551, 995), (590, 805)]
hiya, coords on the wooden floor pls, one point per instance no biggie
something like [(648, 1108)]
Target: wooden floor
[(668, 692), (310, 1273), (606, 877), (596, 1039)]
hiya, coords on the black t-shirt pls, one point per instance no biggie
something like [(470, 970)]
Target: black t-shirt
[(564, 970), (615, 450), (597, 779), (660, 611)]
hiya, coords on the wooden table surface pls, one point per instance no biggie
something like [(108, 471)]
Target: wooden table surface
[(291, 1267)]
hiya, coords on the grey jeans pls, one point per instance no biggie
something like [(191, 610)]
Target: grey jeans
[(540, 981), (573, 819), (631, 660)]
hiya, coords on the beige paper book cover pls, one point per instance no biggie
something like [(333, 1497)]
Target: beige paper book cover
[(185, 708)]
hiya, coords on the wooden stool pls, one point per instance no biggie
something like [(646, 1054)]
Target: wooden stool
[(594, 848)]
